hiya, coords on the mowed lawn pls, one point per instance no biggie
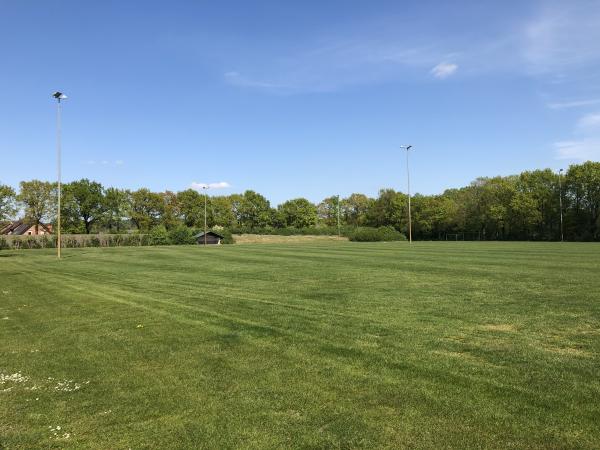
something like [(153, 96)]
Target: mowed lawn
[(313, 345)]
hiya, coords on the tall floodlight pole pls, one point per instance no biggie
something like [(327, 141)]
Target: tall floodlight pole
[(58, 96), (407, 148), (338, 216), (205, 188), (560, 203)]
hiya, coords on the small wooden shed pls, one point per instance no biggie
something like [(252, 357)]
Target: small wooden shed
[(212, 238)]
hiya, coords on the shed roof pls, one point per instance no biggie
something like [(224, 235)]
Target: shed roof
[(199, 235)]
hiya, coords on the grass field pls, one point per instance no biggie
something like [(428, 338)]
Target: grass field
[(318, 345)]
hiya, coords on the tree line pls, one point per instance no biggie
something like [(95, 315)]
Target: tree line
[(517, 207)]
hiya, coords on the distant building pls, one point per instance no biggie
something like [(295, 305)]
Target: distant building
[(211, 238), (24, 228)]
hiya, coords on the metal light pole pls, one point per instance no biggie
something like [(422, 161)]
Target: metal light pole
[(58, 96), (560, 203), (407, 148), (338, 216), (205, 188)]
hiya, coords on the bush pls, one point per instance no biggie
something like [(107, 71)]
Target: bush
[(227, 237), (368, 234), (181, 235), (158, 236)]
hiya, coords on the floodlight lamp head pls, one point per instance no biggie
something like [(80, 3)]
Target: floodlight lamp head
[(59, 96)]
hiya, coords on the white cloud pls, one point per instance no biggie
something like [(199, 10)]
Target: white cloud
[(563, 36), (589, 121), (587, 144), (119, 162), (444, 70), (200, 186), (573, 104), (585, 149)]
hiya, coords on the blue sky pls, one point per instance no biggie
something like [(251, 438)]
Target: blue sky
[(298, 98)]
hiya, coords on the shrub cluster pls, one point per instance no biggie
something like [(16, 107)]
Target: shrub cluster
[(368, 234), (292, 231), (181, 235)]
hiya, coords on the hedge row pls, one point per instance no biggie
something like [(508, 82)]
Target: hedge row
[(368, 234), (156, 236), (183, 236)]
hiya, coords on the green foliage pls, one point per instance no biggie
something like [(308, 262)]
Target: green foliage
[(181, 235), (369, 234), (8, 207), (83, 203), (298, 213), (158, 236), (517, 207), (146, 209), (38, 199), (227, 236), (253, 210)]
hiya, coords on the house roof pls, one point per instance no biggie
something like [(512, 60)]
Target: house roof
[(201, 234), (19, 227)]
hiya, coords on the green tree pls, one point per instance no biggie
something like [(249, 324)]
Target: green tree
[(328, 210), (83, 203), (298, 213), (171, 214), (116, 208), (8, 206), (191, 207), (390, 208), (146, 209), (254, 210), (583, 190), (38, 199), (355, 209), (221, 212)]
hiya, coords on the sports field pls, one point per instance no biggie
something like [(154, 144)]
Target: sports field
[(313, 345)]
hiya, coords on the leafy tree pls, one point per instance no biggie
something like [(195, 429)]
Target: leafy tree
[(38, 199), (116, 208), (389, 209), (328, 211), (83, 202), (146, 209), (298, 213), (583, 185), (355, 209), (191, 207), (8, 206), (171, 214), (221, 212), (254, 210)]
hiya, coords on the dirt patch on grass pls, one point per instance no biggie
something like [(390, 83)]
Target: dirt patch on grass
[(502, 327), (274, 239), (567, 351)]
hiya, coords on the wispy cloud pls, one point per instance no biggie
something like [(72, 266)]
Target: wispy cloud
[(573, 104), (563, 36), (589, 122), (587, 143), (105, 162), (582, 150), (200, 186), (444, 70)]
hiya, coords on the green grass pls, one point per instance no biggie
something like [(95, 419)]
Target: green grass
[(321, 345)]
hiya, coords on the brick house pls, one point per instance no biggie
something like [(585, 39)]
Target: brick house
[(23, 228)]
